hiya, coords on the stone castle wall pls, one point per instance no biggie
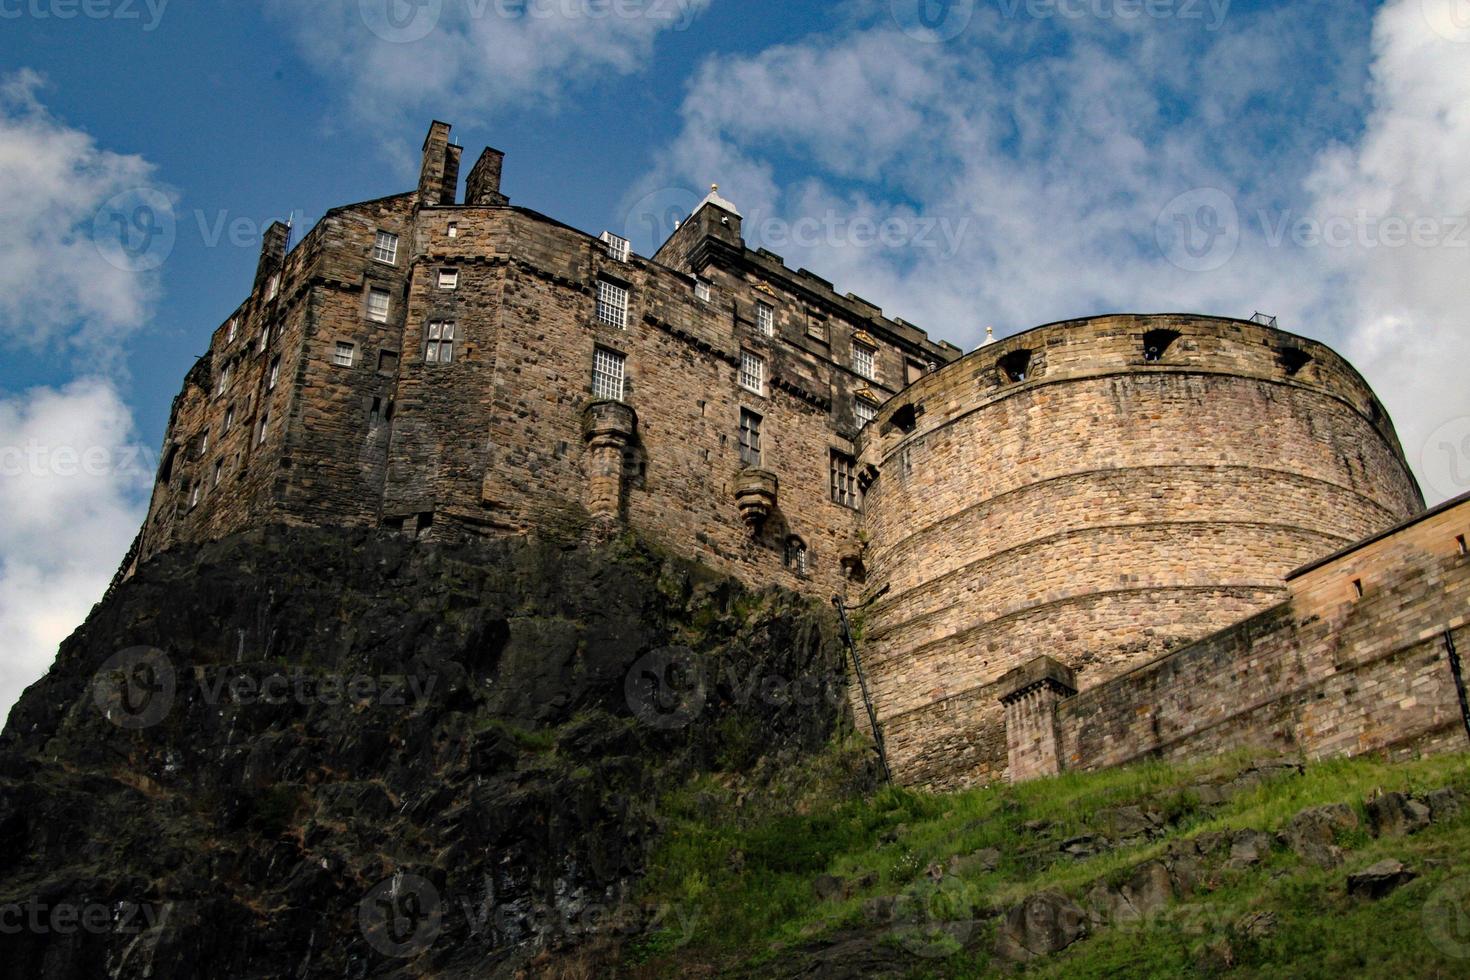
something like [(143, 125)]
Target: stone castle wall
[(1102, 510), (1328, 672)]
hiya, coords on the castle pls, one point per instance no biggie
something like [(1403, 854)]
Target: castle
[(1125, 505)]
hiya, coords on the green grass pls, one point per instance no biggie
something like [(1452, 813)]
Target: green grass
[(749, 869)]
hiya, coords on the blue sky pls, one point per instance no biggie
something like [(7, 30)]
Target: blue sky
[(965, 163)]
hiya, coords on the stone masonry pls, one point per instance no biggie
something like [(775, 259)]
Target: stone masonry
[(1100, 491)]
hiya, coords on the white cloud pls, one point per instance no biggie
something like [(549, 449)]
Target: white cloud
[(72, 489), (1059, 147), (403, 56), (58, 289)]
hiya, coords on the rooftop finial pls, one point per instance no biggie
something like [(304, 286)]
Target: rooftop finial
[(989, 336), (714, 188)]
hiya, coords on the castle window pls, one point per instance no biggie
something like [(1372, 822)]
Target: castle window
[(453, 229), (439, 342), (1358, 587), (618, 249), (765, 319), (608, 374), (273, 287), (219, 469), (229, 419), (194, 493), (612, 304), (1464, 548), (865, 361), (166, 472), (752, 372), (375, 412), (231, 330), (274, 376), (864, 410), (1015, 366), (448, 278), (265, 422), (1156, 344), (796, 555), (844, 484), (344, 353), (204, 442), (750, 438), (385, 249), (265, 337), (1293, 359), (701, 290), (378, 305), (224, 379), (388, 362)]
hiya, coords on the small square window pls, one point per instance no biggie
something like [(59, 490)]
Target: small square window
[(344, 354), (608, 374), (453, 229), (701, 290), (612, 304), (765, 319), (378, 305), (448, 278), (752, 372), (439, 342), (385, 248), (864, 361)]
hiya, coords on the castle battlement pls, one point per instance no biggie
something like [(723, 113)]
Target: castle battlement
[(1101, 491)]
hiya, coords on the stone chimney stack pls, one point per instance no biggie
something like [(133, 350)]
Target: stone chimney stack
[(439, 176), (482, 189), (272, 252)]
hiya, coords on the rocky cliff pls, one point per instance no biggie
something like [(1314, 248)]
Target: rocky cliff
[(305, 752)]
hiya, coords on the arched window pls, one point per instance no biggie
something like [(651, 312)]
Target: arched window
[(796, 555)]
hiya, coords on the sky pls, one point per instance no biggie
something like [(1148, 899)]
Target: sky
[(963, 163)]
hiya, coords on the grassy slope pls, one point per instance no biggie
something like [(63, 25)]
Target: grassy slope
[(737, 865)]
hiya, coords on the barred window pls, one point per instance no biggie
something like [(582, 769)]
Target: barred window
[(752, 372), (765, 319), (607, 374), (385, 249), (378, 305), (865, 411), (612, 304), (844, 480), (864, 361), (439, 342), (750, 438), (796, 555)]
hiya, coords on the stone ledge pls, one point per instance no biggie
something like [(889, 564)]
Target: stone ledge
[(1043, 672)]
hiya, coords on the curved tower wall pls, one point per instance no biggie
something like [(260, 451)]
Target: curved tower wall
[(1061, 493)]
